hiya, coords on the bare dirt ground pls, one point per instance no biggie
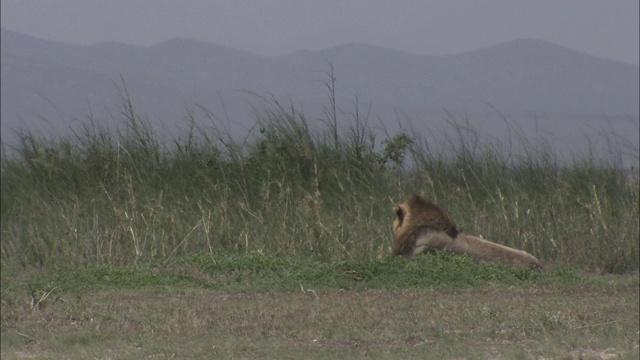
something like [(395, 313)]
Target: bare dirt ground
[(491, 322)]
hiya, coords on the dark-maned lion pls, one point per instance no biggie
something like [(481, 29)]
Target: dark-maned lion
[(421, 225)]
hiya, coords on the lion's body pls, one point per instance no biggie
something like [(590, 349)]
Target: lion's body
[(422, 226)]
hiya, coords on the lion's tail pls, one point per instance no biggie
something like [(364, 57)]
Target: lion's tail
[(487, 251)]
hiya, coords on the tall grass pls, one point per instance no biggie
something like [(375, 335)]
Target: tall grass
[(102, 197)]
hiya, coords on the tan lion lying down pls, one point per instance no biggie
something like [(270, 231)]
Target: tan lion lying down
[(420, 225)]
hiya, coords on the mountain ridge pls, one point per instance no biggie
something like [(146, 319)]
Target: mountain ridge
[(525, 76)]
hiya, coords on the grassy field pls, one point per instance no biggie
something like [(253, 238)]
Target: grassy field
[(558, 322), (259, 306), (114, 245)]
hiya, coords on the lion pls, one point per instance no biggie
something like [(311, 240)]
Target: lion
[(421, 225)]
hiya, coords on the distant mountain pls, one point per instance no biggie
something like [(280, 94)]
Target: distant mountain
[(62, 83)]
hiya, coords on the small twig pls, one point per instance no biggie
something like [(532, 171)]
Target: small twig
[(593, 325), (36, 302), (180, 244)]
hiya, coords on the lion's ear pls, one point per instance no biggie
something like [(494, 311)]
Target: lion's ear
[(400, 212)]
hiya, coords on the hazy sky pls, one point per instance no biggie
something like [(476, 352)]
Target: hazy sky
[(606, 28)]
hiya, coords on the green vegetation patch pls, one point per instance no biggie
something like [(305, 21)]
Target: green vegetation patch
[(253, 272)]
